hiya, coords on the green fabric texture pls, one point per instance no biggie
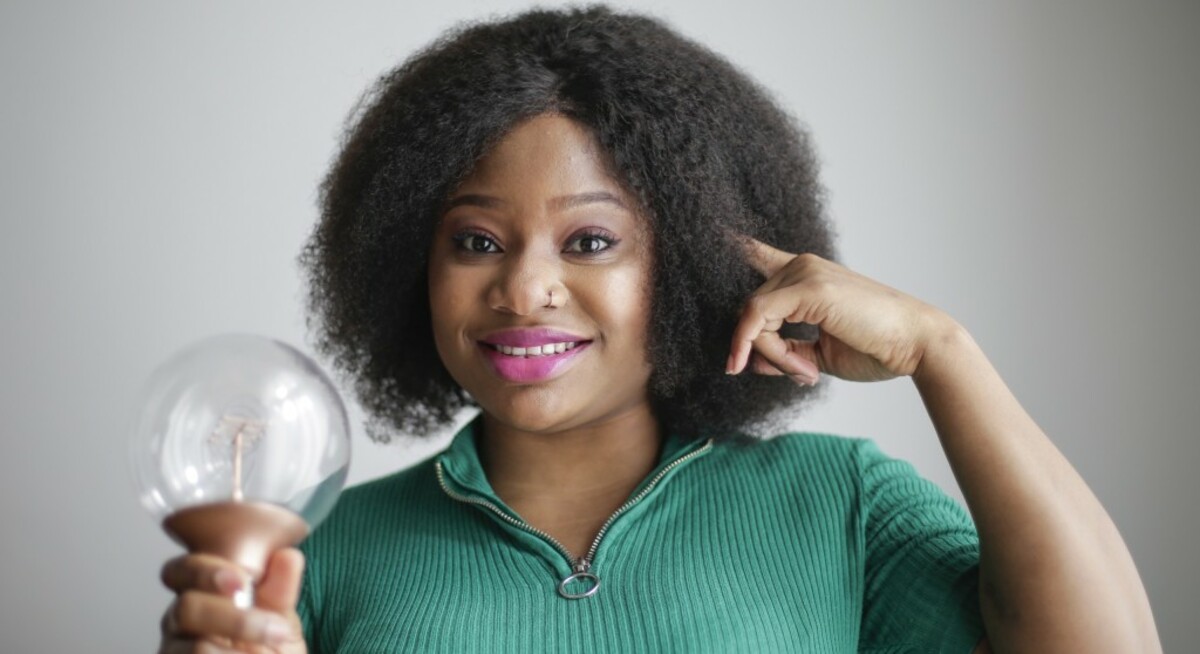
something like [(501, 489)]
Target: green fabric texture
[(800, 543)]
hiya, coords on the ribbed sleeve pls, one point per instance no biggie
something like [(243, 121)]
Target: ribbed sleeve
[(802, 543), (922, 558)]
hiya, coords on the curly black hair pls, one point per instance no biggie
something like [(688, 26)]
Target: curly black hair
[(704, 149)]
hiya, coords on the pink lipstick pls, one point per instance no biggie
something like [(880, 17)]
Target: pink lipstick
[(531, 355)]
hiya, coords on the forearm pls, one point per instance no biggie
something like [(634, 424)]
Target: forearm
[(1055, 574)]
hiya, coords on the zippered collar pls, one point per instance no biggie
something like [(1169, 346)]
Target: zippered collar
[(462, 464)]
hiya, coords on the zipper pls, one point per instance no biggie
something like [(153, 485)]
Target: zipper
[(581, 566)]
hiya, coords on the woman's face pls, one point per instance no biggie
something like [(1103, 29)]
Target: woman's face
[(539, 279)]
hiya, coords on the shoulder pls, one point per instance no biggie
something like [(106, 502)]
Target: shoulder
[(367, 507), (841, 455), (414, 479), (810, 464)]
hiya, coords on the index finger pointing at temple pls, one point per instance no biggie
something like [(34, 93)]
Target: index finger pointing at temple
[(764, 258)]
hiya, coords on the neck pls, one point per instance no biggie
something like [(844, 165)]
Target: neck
[(602, 461)]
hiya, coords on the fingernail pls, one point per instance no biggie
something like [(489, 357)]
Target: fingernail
[(277, 631), (229, 581), (803, 380)]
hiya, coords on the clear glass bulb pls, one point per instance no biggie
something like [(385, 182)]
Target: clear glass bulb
[(241, 446)]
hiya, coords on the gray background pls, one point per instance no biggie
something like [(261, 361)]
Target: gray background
[(1031, 170)]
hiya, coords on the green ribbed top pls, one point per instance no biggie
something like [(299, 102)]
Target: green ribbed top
[(800, 543)]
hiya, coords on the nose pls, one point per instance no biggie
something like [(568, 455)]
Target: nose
[(526, 284)]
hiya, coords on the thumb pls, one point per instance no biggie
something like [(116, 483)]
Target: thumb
[(280, 587)]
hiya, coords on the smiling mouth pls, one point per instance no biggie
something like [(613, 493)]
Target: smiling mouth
[(548, 349), (532, 364)]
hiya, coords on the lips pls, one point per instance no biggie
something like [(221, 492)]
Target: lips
[(530, 337), (532, 355)]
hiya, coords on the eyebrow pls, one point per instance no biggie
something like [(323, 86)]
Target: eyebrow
[(559, 203)]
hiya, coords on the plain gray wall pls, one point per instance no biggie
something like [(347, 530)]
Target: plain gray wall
[(1032, 170)]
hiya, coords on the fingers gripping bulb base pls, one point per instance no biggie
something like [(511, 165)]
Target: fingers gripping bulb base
[(243, 532)]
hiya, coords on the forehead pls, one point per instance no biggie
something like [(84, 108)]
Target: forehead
[(548, 155)]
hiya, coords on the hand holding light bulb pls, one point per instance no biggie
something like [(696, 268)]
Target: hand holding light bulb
[(241, 448), (204, 609)]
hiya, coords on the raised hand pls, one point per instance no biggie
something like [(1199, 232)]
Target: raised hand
[(868, 331)]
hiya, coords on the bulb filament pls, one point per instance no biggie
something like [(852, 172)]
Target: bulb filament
[(245, 432), (238, 495)]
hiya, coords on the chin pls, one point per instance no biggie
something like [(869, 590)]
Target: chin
[(530, 413)]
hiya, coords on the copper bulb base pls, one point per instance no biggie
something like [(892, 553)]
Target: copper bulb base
[(243, 532)]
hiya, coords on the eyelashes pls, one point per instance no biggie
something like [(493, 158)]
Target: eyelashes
[(590, 241), (475, 242), (600, 239)]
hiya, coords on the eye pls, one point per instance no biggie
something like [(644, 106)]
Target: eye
[(592, 242), (476, 243)]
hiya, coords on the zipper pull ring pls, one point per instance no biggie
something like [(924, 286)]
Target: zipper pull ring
[(581, 574)]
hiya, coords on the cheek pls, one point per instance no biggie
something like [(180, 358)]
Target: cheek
[(625, 298), (448, 305), (449, 311)]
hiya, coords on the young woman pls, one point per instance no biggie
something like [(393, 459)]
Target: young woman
[(611, 242)]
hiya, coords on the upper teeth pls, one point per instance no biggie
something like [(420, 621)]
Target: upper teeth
[(536, 350)]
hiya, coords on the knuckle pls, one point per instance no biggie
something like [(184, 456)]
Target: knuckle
[(187, 572), (808, 259), (170, 572), (191, 612), (756, 304)]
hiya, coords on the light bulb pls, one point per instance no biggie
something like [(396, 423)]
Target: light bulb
[(240, 447)]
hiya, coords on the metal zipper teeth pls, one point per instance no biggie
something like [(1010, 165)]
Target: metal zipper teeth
[(495, 509), (585, 562)]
